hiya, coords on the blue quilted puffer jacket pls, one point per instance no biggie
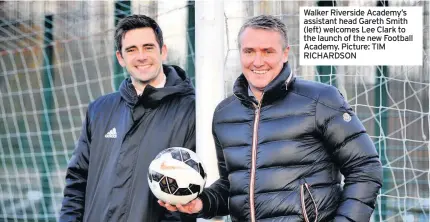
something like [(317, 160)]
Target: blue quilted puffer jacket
[(282, 159)]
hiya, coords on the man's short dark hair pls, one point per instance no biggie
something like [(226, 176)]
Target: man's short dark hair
[(134, 22), (267, 22)]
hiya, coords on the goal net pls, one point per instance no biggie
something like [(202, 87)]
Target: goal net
[(56, 57)]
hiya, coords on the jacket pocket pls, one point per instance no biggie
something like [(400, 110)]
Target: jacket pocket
[(308, 204)]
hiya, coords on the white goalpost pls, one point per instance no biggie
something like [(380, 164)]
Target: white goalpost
[(209, 25)]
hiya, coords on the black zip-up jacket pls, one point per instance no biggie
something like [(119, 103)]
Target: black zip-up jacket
[(106, 178), (281, 160)]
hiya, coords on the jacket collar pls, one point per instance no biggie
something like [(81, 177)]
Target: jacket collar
[(275, 90), (177, 83)]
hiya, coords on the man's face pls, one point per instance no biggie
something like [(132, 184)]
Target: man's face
[(141, 56), (262, 56)]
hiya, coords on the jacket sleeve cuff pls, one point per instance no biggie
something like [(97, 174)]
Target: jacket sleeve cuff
[(204, 213)]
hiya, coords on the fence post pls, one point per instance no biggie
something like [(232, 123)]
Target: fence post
[(122, 10), (47, 84), (326, 74), (191, 41), (381, 129)]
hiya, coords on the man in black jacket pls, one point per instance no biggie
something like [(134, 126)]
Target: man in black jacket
[(154, 109), (282, 143)]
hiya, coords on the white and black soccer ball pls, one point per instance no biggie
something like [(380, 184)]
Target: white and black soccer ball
[(176, 176)]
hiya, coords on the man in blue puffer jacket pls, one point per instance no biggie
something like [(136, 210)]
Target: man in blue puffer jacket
[(283, 143)]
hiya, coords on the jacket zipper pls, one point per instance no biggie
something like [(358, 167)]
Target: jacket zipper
[(254, 160), (129, 201), (254, 151), (302, 199)]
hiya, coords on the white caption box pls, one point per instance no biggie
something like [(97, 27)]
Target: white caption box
[(361, 36)]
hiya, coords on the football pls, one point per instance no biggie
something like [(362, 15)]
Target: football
[(176, 176)]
